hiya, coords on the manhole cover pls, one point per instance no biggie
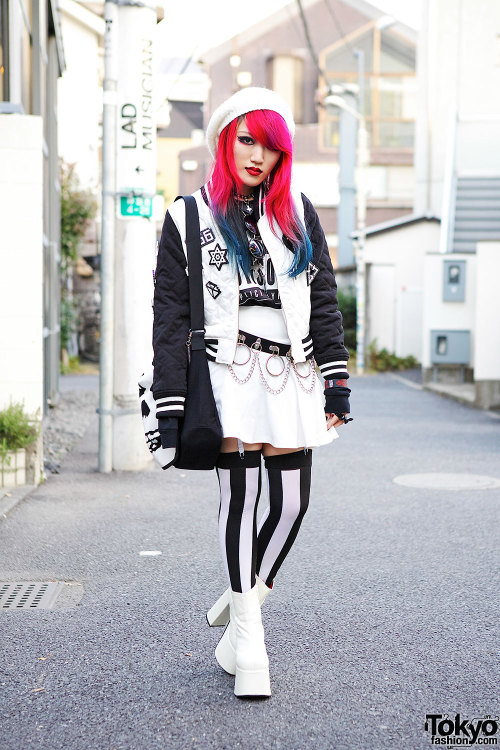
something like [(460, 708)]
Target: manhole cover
[(440, 481), (29, 594)]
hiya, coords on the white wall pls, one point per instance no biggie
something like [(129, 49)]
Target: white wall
[(79, 91), (403, 250), (477, 147), (21, 261), (457, 68), (487, 341), (319, 181), (458, 316), (381, 305)]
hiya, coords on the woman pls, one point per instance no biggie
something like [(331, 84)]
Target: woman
[(270, 314)]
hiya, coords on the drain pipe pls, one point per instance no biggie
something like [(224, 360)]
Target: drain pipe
[(108, 236)]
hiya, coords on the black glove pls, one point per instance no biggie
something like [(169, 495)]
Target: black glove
[(337, 400), (168, 427)]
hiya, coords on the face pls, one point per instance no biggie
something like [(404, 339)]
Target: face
[(254, 162)]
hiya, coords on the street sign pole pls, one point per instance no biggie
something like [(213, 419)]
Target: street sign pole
[(135, 228)]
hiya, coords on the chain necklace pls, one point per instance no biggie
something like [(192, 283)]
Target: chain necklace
[(256, 247)]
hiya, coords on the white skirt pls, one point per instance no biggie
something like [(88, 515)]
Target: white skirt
[(292, 418)]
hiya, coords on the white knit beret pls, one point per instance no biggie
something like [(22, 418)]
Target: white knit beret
[(246, 100)]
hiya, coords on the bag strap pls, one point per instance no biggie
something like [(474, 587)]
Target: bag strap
[(195, 277)]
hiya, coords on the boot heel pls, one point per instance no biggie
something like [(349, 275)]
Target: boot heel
[(218, 615), (225, 652), (252, 683)]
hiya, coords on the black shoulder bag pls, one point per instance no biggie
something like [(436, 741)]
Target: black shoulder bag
[(200, 431)]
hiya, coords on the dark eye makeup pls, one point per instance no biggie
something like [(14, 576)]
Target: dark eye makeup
[(246, 140)]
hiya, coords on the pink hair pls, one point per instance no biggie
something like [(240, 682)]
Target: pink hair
[(270, 129)]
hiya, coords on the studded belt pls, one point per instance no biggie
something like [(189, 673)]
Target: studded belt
[(258, 343)]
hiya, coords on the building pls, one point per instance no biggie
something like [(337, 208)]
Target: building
[(80, 91), (79, 141), (458, 178), (32, 60), (275, 53), (182, 91), (430, 288)]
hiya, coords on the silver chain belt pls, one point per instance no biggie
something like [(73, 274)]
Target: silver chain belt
[(253, 356)]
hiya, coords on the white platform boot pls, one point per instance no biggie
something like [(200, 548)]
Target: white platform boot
[(225, 651), (218, 614), (252, 663)]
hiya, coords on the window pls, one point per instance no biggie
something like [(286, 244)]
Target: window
[(390, 87), (285, 76), (4, 50), (26, 55), (16, 55)]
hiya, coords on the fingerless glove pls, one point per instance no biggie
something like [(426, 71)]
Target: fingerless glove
[(168, 427)]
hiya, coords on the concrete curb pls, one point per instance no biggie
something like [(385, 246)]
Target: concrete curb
[(10, 498), (454, 394)]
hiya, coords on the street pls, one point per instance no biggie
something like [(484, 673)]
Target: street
[(385, 610)]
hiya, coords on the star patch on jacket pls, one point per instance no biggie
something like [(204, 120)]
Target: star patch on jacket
[(213, 289), (311, 273), (218, 257)]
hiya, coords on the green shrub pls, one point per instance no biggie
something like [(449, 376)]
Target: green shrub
[(71, 366), (347, 306), (382, 360), (78, 208), (68, 319), (17, 429)]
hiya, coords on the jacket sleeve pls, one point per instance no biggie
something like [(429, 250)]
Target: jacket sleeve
[(170, 324), (325, 323)]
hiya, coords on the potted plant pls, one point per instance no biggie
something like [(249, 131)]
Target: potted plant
[(17, 431)]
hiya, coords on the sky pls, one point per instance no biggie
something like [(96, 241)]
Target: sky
[(191, 26)]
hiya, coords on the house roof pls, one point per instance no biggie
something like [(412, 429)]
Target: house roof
[(401, 222), (290, 11), (176, 66), (54, 21), (82, 14), (184, 118)]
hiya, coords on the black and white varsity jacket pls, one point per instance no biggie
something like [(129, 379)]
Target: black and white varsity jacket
[(309, 304)]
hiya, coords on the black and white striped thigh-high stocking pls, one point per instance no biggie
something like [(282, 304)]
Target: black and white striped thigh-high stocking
[(289, 482), (240, 484)]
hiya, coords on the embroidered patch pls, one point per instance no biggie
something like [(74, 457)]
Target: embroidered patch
[(342, 383), (206, 236), (218, 257), (213, 289), (311, 273)]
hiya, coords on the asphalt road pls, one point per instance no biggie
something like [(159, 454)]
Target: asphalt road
[(384, 611)]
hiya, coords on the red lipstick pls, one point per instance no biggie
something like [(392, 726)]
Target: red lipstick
[(253, 171)]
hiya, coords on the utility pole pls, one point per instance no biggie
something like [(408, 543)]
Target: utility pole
[(105, 463), (135, 227), (362, 162), (128, 230), (362, 165), (347, 180)]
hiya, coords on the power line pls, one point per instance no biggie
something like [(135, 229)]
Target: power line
[(186, 65), (338, 26), (310, 44)]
